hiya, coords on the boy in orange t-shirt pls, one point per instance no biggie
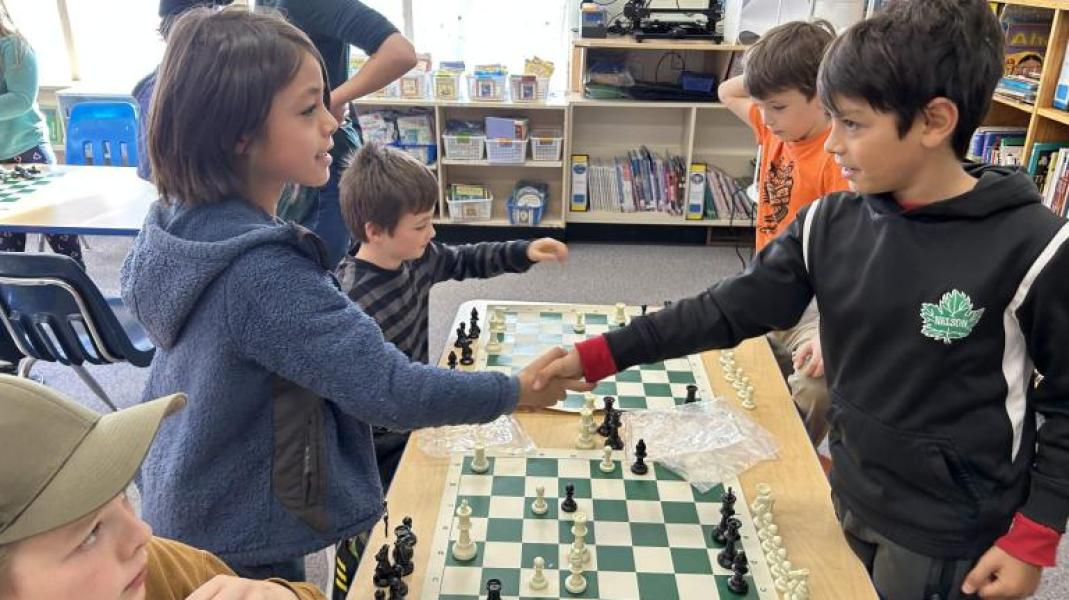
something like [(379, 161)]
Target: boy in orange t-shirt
[(777, 96)]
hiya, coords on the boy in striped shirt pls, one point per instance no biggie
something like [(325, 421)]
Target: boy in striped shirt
[(387, 201)]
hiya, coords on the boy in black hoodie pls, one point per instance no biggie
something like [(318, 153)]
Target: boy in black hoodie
[(942, 288)]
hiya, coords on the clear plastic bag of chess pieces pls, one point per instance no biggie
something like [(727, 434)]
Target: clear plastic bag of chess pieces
[(704, 442), (503, 434)]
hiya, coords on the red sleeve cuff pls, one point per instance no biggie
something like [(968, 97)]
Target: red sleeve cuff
[(596, 358), (1031, 542)]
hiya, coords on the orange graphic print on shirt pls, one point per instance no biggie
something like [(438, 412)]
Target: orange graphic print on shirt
[(790, 176), (777, 186)]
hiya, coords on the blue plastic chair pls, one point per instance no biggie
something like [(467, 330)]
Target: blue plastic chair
[(54, 312), (102, 134)]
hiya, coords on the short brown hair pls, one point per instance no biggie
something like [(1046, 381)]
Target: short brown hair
[(381, 185), (219, 75), (787, 57)]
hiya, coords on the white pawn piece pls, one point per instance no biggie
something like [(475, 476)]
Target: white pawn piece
[(493, 346), (580, 323), (464, 549), (590, 401), (479, 464), (729, 375), (749, 404), (586, 430), (579, 545), (782, 580), (575, 583), (540, 506), (538, 580), (607, 464), (621, 316), (741, 383)]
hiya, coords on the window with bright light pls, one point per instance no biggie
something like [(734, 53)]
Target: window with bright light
[(38, 21), (113, 57)]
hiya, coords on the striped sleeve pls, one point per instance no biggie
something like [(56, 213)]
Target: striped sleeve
[(482, 260)]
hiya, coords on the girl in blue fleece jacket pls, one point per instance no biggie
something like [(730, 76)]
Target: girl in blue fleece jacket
[(285, 375)]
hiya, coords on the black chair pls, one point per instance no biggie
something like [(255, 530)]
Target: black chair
[(54, 312)]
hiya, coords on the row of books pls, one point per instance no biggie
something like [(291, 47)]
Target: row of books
[(640, 181), (724, 198), (1048, 165), (997, 145), (1019, 88)]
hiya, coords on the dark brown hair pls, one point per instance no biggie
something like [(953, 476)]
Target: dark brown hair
[(381, 185), (219, 75), (913, 51), (787, 58)]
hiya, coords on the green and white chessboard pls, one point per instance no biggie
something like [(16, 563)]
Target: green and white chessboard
[(532, 329), (649, 536), (12, 189)]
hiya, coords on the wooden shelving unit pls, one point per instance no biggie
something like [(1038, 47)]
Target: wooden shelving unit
[(1044, 122), (703, 132), (554, 113)]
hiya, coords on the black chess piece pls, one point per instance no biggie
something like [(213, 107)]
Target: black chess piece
[(404, 531), (603, 429), (667, 303), (692, 394), (728, 499), (569, 505), (644, 308), (727, 511), (402, 557), (639, 467), (614, 440), (452, 362), (466, 355), (473, 327), (383, 569), (493, 589), (737, 583), (398, 588), (727, 556), (462, 336), (380, 594)]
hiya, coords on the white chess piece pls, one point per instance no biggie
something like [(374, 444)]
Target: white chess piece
[(464, 549), (621, 316), (540, 506), (538, 580), (479, 464), (590, 401), (575, 583), (580, 323), (494, 345), (586, 430), (579, 544), (607, 464)]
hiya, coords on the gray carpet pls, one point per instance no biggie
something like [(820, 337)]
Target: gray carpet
[(595, 273)]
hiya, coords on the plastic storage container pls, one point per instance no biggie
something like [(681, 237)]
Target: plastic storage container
[(506, 151), (464, 147), (446, 85), (413, 85), (468, 210), (487, 87), (528, 88), (425, 153), (546, 145)]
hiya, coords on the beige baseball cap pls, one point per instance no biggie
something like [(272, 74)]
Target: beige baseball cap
[(60, 461)]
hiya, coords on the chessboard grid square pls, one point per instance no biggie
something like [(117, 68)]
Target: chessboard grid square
[(591, 590), (502, 555)]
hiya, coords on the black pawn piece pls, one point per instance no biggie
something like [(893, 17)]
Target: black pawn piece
[(402, 557), (404, 532), (466, 358), (644, 308), (726, 558), (462, 336), (737, 583), (493, 589), (380, 595), (667, 303), (639, 467), (606, 424), (398, 589), (727, 500), (452, 360), (34, 170), (614, 440), (569, 504), (692, 394), (383, 569)]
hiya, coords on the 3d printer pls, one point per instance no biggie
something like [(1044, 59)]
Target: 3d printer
[(701, 26)]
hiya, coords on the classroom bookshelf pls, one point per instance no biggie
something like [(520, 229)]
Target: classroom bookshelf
[(701, 132), (1044, 123)]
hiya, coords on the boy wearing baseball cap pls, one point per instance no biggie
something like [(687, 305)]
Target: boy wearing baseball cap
[(66, 527)]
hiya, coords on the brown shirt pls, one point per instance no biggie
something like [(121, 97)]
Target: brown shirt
[(176, 570)]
